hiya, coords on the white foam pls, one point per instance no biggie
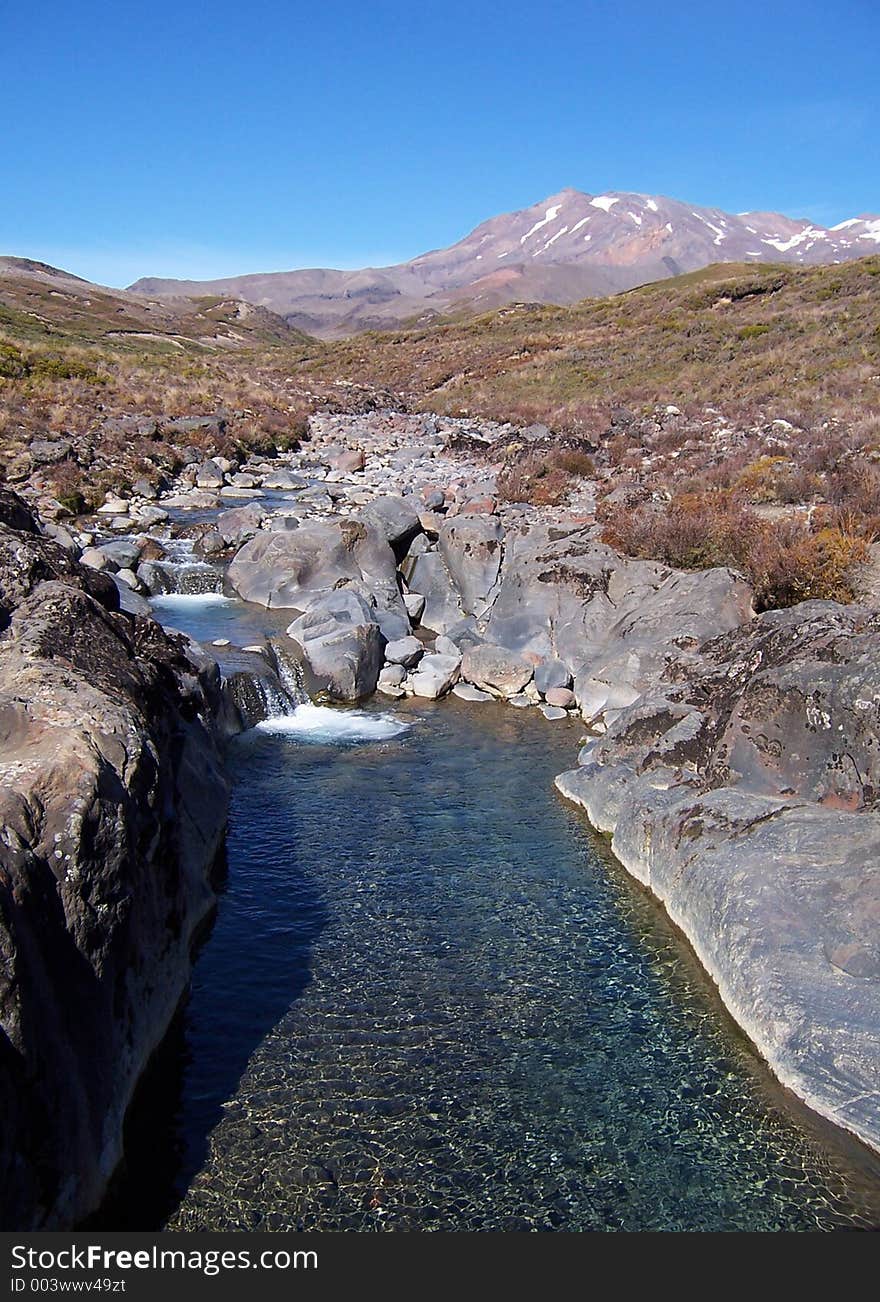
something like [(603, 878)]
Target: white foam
[(321, 723), (190, 599)]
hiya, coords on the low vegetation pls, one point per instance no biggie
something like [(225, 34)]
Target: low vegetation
[(730, 417)]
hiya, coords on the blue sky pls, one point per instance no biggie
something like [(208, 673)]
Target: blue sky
[(207, 139)]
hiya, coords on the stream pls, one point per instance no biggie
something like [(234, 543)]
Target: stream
[(432, 1000)]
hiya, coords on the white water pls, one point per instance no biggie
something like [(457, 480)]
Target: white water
[(190, 600), (322, 724)]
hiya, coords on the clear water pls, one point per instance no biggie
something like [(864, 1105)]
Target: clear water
[(431, 1000)]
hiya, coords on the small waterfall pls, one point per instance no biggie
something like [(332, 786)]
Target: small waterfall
[(256, 696), (289, 671), (181, 572)]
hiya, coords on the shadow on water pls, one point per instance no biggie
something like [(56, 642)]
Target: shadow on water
[(252, 963)]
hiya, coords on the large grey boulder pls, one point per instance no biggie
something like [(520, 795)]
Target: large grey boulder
[(341, 643), (472, 547), (395, 519), (495, 670), (288, 568), (209, 475), (550, 674), (236, 526), (430, 578), (404, 651)]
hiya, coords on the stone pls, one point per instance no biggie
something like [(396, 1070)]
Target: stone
[(435, 676), (113, 505), (240, 524), (122, 553), (341, 643), (287, 569), (479, 506), (349, 462), (467, 692), (209, 475), (395, 519), (471, 547), (433, 499), (106, 728), (560, 697), (550, 674), (144, 488), (445, 646), (391, 675), (151, 515), (431, 579), (553, 712), (47, 452), (495, 670), (415, 605), (282, 479), (95, 558), (405, 651)]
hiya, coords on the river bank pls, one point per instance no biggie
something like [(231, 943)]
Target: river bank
[(380, 556)]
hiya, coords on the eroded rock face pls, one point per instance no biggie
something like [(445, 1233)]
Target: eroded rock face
[(112, 807), (742, 789)]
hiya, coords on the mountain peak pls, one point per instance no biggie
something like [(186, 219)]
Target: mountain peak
[(569, 246)]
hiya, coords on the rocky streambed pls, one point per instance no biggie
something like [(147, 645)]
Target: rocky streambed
[(732, 758)]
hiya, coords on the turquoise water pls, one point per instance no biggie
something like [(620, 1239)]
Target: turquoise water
[(431, 1000)]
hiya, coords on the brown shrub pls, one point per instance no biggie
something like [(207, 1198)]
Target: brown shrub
[(784, 560)]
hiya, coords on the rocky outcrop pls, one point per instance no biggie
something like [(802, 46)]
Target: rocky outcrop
[(742, 789), (112, 805)]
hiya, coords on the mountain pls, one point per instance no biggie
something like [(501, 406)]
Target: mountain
[(37, 301), (568, 247)]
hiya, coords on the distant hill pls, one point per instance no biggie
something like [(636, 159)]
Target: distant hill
[(37, 301), (568, 247)]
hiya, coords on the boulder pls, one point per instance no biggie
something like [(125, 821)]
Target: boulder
[(495, 670), (563, 697), (287, 569), (415, 605), (209, 475), (430, 578), (435, 675), (341, 643), (405, 651), (550, 674), (467, 692), (471, 547), (349, 462), (283, 480), (240, 524), (395, 519), (105, 729)]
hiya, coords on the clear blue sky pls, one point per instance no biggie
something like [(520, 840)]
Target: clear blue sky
[(182, 138)]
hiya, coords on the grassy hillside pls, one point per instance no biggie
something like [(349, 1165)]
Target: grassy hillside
[(802, 343), (768, 459)]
